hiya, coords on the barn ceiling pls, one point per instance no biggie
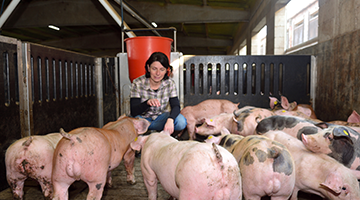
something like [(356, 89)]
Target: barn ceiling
[(203, 27)]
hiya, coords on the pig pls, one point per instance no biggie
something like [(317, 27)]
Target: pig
[(267, 167), (294, 126), (353, 121), (283, 107), (90, 154), (318, 173), (188, 170), (242, 122), (247, 119), (31, 157), (340, 142), (354, 117), (208, 108)]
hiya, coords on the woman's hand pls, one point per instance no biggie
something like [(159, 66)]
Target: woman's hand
[(169, 126), (153, 102)]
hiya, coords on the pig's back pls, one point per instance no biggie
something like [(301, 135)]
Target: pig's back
[(89, 151), (161, 156), (200, 175), (209, 108)]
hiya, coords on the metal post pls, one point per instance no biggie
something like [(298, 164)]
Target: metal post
[(99, 92), (25, 98)]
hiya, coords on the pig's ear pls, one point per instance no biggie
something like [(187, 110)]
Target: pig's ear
[(235, 120), (210, 122), (224, 131), (273, 102), (333, 182), (141, 125), (322, 125), (285, 103), (122, 116), (342, 132), (202, 120), (354, 117), (213, 139), (356, 173), (138, 143)]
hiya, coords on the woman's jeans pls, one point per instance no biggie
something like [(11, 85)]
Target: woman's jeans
[(159, 123)]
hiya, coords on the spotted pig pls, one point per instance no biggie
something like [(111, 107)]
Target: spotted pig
[(294, 126), (318, 173), (267, 167), (340, 142)]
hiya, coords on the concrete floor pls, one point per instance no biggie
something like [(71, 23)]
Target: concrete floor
[(120, 190), (78, 190)]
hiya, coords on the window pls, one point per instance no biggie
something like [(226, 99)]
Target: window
[(301, 22), (298, 33), (313, 26)]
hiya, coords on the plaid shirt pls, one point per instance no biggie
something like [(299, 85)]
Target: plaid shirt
[(141, 89)]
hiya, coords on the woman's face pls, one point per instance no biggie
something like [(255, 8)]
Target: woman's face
[(157, 71)]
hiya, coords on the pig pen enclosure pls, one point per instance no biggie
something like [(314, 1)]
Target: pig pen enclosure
[(44, 89)]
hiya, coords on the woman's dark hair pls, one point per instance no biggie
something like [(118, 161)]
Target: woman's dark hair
[(163, 59)]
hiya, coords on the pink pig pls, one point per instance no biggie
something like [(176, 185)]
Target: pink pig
[(188, 170), (291, 109), (267, 167), (353, 121), (89, 154), (318, 173), (242, 122), (31, 157), (207, 108)]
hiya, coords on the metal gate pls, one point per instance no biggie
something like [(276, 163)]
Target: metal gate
[(249, 80), (43, 89)]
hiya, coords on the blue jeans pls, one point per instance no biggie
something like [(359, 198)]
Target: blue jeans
[(159, 123)]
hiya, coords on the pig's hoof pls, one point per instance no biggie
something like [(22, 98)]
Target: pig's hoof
[(131, 182)]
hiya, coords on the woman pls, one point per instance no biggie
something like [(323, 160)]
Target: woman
[(151, 94)]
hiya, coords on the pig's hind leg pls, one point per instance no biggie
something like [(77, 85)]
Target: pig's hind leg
[(95, 190), (129, 158), (17, 187), (150, 182), (47, 187), (61, 190)]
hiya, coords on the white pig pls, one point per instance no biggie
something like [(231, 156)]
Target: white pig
[(188, 170), (31, 157), (208, 108), (242, 121)]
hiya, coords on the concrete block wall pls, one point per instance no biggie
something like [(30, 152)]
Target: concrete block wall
[(337, 59)]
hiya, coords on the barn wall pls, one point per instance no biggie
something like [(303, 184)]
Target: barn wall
[(338, 50), (337, 58)]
